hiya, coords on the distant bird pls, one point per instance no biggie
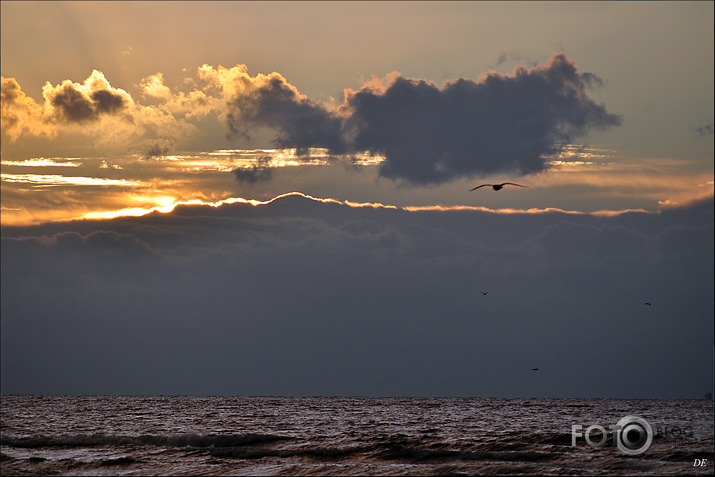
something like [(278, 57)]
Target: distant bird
[(484, 293), (498, 186), (646, 303), (534, 369)]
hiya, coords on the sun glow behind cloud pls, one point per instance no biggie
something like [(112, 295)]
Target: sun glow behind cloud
[(136, 185), (169, 207), (35, 190)]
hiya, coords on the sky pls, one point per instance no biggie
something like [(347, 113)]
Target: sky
[(273, 198)]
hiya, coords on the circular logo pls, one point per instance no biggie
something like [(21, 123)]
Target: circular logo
[(634, 435)]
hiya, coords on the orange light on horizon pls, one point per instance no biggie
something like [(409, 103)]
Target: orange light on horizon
[(142, 185), (167, 204)]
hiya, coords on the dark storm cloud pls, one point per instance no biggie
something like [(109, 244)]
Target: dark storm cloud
[(78, 103), (104, 101), (75, 106), (498, 124), (274, 103), (301, 297), (429, 134)]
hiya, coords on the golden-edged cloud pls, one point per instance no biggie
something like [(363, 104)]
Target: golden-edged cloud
[(21, 114), (105, 118), (270, 101), (426, 134), (579, 180), (180, 141), (193, 104), (153, 86), (82, 103)]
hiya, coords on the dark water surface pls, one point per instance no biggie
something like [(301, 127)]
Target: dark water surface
[(182, 435)]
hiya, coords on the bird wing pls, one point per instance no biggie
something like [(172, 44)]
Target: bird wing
[(511, 183), (483, 185)]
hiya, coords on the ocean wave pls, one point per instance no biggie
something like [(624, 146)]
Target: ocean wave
[(172, 440), (396, 449)]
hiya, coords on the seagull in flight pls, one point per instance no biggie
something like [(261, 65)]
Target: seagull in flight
[(534, 369), (646, 303), (484, 293), (498, 186)]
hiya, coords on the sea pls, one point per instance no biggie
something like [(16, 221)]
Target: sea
[(206, 435)]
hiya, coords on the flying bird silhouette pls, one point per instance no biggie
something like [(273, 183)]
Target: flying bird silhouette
[(484, 293), (498, 186), (646, 303), (534, 369)]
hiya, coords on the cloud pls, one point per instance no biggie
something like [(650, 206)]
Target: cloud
[(270, 101), (53, 180), (259, 172), (513, 56), (153, 86), (159, 148), (497, 124), (91, 109), (20, 113), (78, 103), (357, 296), (192, 104), (592, 81), (427, 134), (72, 104), (110, 116)]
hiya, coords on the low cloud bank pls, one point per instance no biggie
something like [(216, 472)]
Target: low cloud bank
[(299, 296)]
